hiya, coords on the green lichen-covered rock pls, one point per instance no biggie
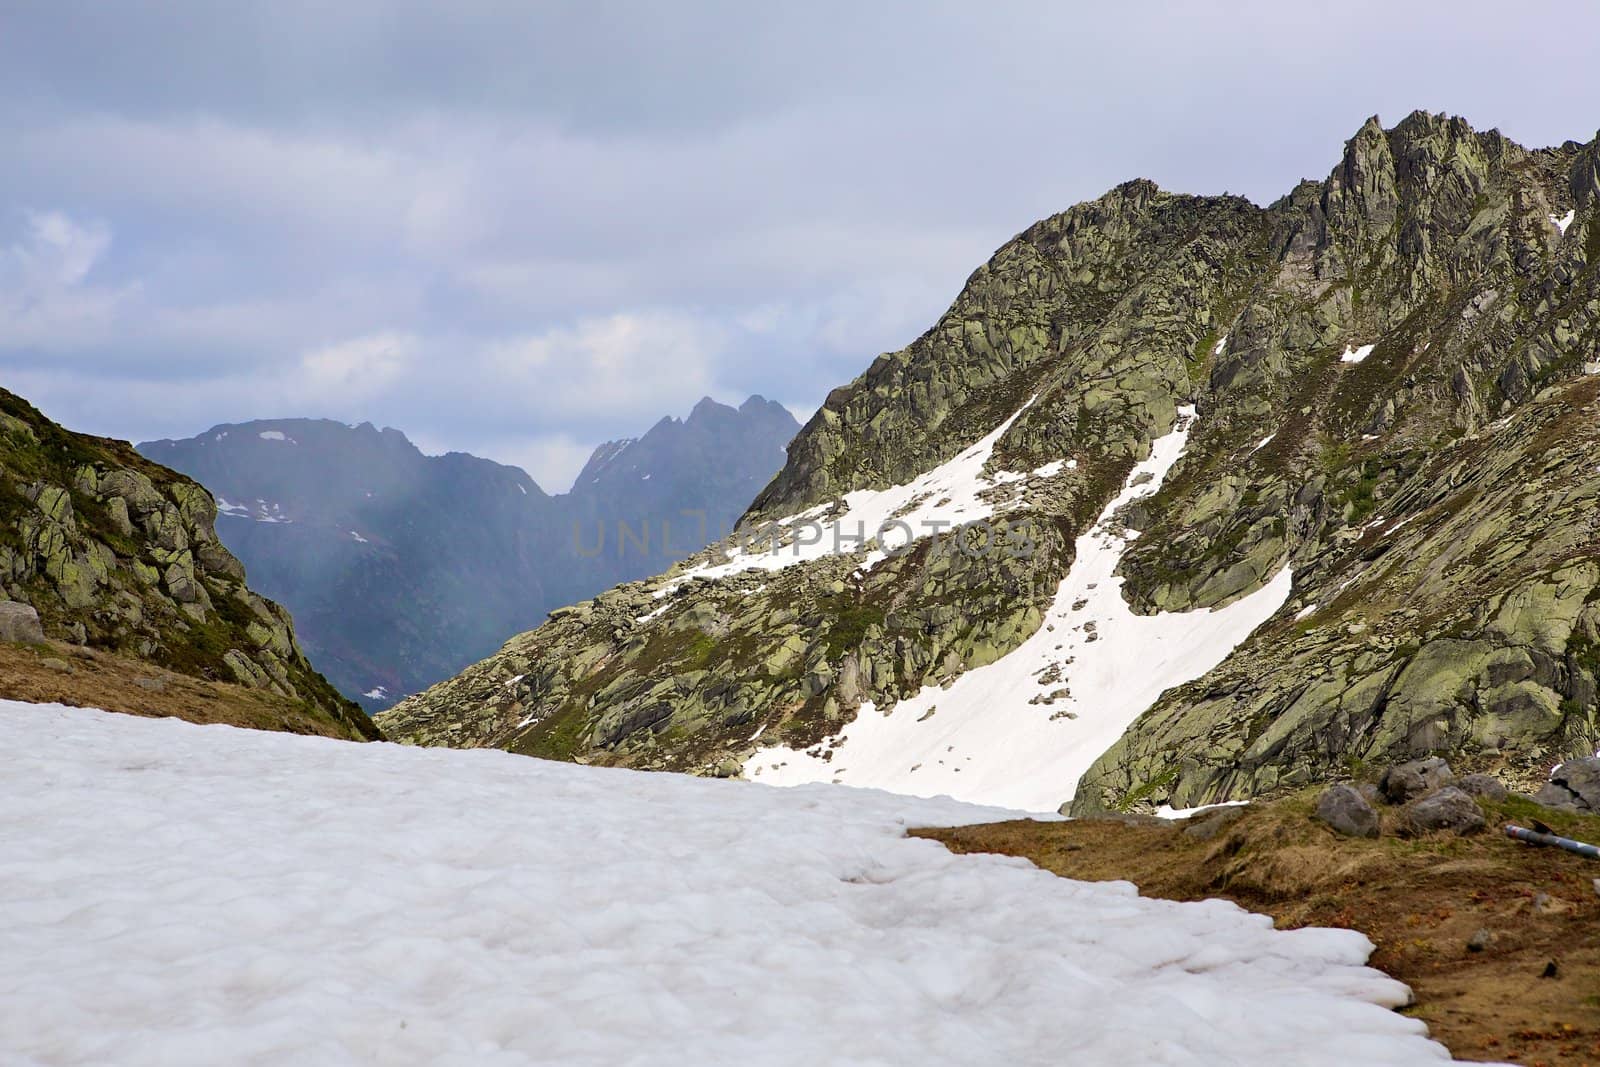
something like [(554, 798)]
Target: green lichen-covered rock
[(118, 553), (1389, 367)]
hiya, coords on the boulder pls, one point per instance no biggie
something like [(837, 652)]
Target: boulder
[(19, 624), (1580, 778), (1482, 785), (1408, 781), (1347, 811), (1207, 824), (1449, 809), (1552, 795)]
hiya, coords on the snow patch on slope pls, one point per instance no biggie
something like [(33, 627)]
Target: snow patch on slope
[(180, 894), (1021, 731), (946, 496), (1356, 355), (1564, 221), (263, 511)]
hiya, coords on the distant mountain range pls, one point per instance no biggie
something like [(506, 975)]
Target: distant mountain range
[(401, 568)]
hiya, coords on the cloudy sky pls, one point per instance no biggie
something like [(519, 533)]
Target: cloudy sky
[(519, 229)]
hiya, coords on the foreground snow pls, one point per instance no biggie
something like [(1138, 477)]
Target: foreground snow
[(1021, 731), (177, 894)]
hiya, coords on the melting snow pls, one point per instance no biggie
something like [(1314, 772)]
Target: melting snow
[(1356, 355), (1166, 811), (1263, 443), (276, 435), (932, 503), (1564, 221), (654, 614), (1221, 344), (180, 894), (262, 512), (1305, 612), (1020, 732)]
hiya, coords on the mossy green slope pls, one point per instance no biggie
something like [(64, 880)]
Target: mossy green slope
[(1430, 241), (120, 554)]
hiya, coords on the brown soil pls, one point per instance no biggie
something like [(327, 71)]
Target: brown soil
[(67, 674), (1531, 996)]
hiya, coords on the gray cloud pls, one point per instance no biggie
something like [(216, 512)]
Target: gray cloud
[(519, 229)]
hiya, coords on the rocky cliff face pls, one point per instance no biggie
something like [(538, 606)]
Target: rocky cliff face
[(403, 568), (119, 554), (1395, 376)]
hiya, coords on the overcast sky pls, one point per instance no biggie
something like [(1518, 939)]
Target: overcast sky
[(518, 229)]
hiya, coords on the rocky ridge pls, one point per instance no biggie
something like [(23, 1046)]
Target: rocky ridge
[(1394, 370), (117, 554)]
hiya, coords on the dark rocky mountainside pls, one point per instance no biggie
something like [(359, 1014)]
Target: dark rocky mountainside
[(1397, 377), (401, 568), (680, 486), (119, 555)]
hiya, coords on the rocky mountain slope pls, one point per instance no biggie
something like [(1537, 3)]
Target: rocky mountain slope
[(402, 568), (1358, 425), (119, 558)]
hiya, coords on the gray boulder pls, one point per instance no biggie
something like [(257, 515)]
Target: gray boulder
[(1347, 811), (1449, 809), (1408, 781), (1555, 796), (1210, 823), (19, 624), (1580, 778), (1481, 785)]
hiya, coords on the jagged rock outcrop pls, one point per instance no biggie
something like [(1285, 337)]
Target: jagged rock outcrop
[(114, 552), (1390, 368)]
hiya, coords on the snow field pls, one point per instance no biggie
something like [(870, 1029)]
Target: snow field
[(1021, 731), (177, 894)]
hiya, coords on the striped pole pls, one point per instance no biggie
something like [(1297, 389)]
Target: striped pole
[(1534, 837)]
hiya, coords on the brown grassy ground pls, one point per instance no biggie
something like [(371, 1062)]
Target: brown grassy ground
[(1420, 901), (67, 674)]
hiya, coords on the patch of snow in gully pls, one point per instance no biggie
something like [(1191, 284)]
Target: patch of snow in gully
[(179, 894), (984, 739), (1356, 355), (1564, 221), (948, 494)]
